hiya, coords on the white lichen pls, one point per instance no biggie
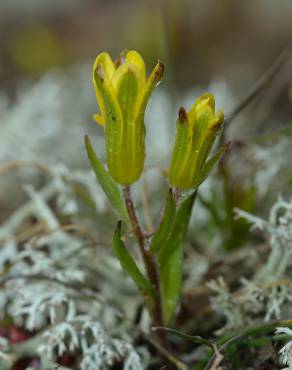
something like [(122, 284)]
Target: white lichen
[(268, 292), (286, 351)]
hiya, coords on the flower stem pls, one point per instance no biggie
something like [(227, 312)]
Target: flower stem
[(148, 260)]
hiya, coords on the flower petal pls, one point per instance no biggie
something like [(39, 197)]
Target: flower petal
[(99, 119), (107, 64), (133, 57), (205, 102), (108, 68), (127, 82)]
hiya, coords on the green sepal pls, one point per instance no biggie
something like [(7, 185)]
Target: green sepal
[(113, 122), (210, 163), (129, 265), (170, 259), (182, 148), (192, 146), (165, 226), (128, 83), (155, 76), (206, 142), (107, 183), (201, 144)]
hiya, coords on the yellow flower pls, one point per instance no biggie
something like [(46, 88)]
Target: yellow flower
[(122, 93), (195, 135)]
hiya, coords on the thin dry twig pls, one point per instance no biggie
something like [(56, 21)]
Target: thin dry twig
[(73, 227), (26, 234), (217, 359), (13, 165), (252, 330), (259, 86), (165, 353)]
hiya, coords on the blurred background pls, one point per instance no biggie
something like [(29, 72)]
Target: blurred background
[(197, 39), (47, 49)]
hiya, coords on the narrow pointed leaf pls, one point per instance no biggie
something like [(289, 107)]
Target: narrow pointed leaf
[(170, 258), (129, 265), (165, 226), (107, 183), (171, 279)]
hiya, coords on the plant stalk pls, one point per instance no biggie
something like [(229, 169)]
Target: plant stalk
[(148, 260)]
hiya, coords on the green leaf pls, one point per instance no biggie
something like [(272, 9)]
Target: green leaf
[(170, 259), (166, 224), (210, 163), (129, 265), (107, 183), (193, 338)]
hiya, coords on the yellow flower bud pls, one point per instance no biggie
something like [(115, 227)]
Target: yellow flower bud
[(122, 93), (195, 135)]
